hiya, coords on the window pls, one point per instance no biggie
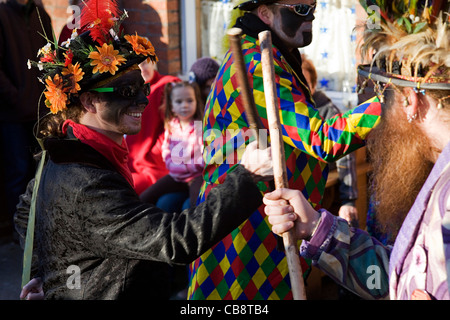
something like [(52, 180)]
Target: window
[(332, 50), (210, 18)]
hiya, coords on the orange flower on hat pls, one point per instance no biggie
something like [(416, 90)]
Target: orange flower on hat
[(55, 94), (141, 45), (106, 59), (75, 75)]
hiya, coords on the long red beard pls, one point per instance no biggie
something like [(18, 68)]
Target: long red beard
[(400, 154)]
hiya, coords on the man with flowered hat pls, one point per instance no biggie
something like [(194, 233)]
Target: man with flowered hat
[(93, 238), (410, 153)]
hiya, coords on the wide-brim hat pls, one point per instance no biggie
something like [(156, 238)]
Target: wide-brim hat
[(100, 53), (408, 44), (252, 4)]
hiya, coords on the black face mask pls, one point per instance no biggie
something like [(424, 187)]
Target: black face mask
[(292, 22), (124, 94), (252, 25), (128, 91)]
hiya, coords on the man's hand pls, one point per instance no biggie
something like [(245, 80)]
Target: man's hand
[(33, 290)]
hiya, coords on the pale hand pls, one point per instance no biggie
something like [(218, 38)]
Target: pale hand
[(349, 213), (258, 162), (288, 209)]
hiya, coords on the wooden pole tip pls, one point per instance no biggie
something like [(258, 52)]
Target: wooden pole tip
[(236, 32)]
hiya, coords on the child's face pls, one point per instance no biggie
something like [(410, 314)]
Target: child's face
[(184, 103)]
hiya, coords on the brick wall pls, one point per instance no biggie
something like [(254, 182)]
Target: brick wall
[(158, 20)]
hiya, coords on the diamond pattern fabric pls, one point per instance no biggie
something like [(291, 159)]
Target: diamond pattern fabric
[(246, 264)]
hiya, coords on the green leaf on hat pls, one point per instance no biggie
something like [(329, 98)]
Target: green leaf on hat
[(419, 26)]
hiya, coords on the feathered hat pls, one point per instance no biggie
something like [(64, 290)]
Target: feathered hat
[(90, 57), (409, 44)]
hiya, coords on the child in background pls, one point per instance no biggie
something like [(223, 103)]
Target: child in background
[(182, 147), (204, 72), (144, 157)]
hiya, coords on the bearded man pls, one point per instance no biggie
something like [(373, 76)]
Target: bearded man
[(410, 150), (402, 161)]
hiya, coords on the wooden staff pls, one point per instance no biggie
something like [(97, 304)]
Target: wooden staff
[(279, 160), (235, 35)]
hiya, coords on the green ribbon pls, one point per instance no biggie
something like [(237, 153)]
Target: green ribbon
[(28, 251)]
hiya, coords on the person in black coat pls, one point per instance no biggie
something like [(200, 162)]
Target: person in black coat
[(20, 22), (93, 237)]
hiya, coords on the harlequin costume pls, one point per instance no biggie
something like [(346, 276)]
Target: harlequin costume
[(416, 266), (246, 264)]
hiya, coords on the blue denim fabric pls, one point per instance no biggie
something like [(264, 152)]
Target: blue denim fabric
[(186, 204), (173, 202)]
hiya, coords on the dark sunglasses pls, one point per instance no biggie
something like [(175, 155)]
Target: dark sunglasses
[(127, 91), (301, 9)]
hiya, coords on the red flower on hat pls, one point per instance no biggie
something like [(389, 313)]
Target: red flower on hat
[(49, 57), (69, 57)]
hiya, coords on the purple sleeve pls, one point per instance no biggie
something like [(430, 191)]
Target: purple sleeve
[(347, 255)]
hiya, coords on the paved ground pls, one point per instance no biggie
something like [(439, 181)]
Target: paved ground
[(11, 273), (10, 270)]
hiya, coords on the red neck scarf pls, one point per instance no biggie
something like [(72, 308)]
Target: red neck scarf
[(115, 153)]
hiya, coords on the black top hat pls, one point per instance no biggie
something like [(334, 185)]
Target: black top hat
[(87, 60), (253, 4)]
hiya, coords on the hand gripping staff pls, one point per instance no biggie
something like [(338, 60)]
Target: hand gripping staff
[(280, 175), (279, 159)]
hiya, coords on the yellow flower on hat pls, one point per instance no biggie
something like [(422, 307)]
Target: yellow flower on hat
[(77, 74), (55, 94), (141, 45), (106, 59)]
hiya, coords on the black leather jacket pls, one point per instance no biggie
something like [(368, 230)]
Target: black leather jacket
[(88, 216)]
